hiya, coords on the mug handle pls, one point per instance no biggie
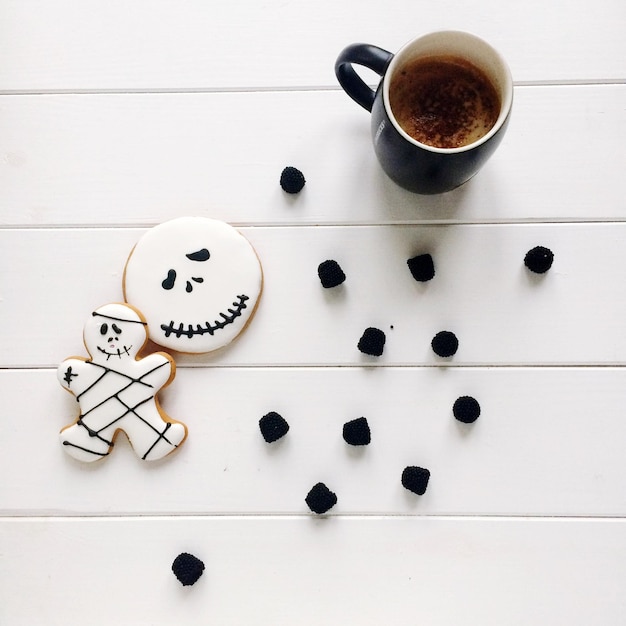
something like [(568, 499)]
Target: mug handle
[(365, 54)]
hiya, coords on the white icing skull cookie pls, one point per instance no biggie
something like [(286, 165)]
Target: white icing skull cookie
[(197, 281), (116, 390)]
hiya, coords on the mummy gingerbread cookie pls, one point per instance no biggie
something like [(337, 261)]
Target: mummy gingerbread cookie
[(116, 390), (196, 280)]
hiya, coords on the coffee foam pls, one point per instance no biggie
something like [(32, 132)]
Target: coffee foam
[(443, 101)]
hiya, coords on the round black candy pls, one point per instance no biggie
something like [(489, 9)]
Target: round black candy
[(357, 432), (331, 274), (292, 180), (422, 267), (466, 409), (445, 343), (372, 342), (415, 479), (539, 259), (321, 499), (187, 568), (273, 426)]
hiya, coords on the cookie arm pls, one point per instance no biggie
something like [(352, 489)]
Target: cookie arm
[(160, 368), (70, 374)]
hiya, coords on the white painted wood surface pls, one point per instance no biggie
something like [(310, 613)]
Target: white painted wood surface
[(117, 116), (540, 446), (141, 159), (501, 313), (175, 46), (266, 570)]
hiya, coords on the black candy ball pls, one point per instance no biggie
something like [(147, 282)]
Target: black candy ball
[(445, 343), (187, 568), (422, 267), (372, 342), (415, 479), (273, 426), (292, 180), (539, 260), (357, 432), (466, 409), (321, 499), (331, 274)]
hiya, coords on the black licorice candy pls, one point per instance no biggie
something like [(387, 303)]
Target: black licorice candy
[(372, 341), (466, 409), (330, 274), (357, 432), (187, 568), (273, 426), (292, 180), (445, 343), (321, 499), (415, 479), (422, 267), (539, 259)]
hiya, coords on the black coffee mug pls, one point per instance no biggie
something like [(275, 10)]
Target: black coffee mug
[(412, 164)]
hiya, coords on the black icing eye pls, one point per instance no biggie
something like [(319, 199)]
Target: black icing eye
[(168, 283), (116, 329), (199, 255), (104, 329)]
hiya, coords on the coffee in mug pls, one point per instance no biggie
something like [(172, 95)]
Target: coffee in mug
[(440, 110), (443, 101)]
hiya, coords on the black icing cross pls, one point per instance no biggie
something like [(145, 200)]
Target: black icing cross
[(69, 375)]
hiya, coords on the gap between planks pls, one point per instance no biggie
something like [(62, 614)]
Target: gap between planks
[(581, 82), (181, 517), (352, 366), (339, 224)]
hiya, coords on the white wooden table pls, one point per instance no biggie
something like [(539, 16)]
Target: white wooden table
[(116, 116)]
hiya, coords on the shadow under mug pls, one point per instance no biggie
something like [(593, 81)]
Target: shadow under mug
[(416, 166)]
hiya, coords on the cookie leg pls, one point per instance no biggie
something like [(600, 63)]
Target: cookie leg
[(83, 444), (151, 436)]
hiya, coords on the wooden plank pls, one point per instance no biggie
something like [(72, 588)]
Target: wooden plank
[(142, 159), (93, 46), (500, 312), (339, 571), (547, 442)]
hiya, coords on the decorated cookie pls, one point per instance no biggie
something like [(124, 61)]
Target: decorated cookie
[(116, 390), (196, 280)]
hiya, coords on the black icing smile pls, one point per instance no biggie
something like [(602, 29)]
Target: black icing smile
[(119, 353), (207, 327)]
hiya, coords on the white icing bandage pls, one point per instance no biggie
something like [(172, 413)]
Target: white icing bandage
[(196, 280), (116, 390)]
